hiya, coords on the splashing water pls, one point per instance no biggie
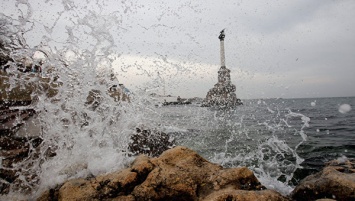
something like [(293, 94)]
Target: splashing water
[(266, 147), (344, 108), (313, 103), (89, 134), (88, 137)]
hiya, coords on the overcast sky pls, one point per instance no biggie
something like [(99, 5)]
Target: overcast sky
[(274, 49)]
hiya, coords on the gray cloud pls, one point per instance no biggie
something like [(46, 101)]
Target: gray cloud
[(274, 48)]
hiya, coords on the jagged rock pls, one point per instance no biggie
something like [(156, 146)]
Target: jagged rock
[(336, 181), (77, 189), (181, 174), (142, 166), (95, 97), (4, 187), (178, 174), (14, 151), (115, 184), (49, 195), (7, 175), (232, 194), (23, 91), (238, 178), (8, 143), (150, 142)]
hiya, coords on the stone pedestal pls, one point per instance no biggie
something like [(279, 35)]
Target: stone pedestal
[(223, 93)]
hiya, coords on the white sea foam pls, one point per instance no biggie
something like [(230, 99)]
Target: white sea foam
[(344, 108), (273, 184), (313, 103), (342, 159), (170, 129)]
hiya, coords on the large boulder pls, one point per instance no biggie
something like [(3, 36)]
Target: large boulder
[(335, 181), (178, 174), (181, 174)]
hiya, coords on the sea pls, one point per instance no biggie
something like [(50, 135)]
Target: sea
[(281, 140)]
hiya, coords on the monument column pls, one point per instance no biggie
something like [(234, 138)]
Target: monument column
[(222, 95), (221, 38)]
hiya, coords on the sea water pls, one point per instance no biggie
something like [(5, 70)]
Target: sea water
[(281, 140)]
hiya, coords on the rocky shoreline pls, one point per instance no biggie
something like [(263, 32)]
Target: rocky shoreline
[(181, 174), (165, 172)]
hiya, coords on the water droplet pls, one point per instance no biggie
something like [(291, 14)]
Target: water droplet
[(313, 103), (344, 108)]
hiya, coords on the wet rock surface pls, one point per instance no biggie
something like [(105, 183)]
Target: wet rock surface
[(178, 174), (335, 181), (14, 150), (232, 194), (12, 118), (150, 142)]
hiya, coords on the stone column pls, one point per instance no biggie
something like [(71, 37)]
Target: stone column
[(221, 38), (223, 59)]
